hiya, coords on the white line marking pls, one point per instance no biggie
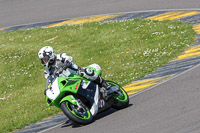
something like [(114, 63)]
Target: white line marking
[(51, 128)]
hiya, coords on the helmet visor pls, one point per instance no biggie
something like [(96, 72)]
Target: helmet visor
[(45, 60)]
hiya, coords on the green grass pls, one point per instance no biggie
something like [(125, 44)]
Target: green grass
[(125, 50)]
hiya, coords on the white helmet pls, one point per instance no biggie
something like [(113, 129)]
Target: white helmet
[(46, 55)]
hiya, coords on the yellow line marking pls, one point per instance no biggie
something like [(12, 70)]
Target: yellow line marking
[(189, 55), (197, 28), (3, 29), (138, 86), (186, 14), (198, 31), (138, 83), (174, 15), (192, 52), (136, 89), (83, 20), (193, 49), (165, 15)]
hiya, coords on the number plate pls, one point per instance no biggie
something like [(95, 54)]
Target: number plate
[(53, 92)]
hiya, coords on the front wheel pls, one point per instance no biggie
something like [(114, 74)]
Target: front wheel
[(120, 101), (79, 115)]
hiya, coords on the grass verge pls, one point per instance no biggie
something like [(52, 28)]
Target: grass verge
[(126, 51)]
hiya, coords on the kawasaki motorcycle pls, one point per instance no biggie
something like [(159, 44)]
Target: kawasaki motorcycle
[(81, 99)]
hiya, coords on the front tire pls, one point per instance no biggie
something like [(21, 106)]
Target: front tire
[(82, 116), (120, 101)]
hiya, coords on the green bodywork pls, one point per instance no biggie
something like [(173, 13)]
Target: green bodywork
[(69, 85)]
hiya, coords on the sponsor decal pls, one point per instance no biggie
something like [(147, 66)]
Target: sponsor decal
[(77, 86), (49, 85)]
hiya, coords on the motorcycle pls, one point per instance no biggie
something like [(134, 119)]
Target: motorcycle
[(81, 99)]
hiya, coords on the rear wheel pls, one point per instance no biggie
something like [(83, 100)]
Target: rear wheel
[(79, 115), (120, 101)]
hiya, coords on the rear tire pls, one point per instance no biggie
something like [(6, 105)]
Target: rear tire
[(122, 101), (70, 111)]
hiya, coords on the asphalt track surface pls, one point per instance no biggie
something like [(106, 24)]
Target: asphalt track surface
[(18, 12), (170, 107)]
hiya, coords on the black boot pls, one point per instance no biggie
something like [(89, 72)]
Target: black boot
[(102, 83), (105, 85)]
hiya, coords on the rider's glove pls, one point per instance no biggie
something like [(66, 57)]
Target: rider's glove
[(81, 71), (59, 71)]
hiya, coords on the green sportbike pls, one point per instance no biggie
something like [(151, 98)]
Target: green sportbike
[(81, 99)]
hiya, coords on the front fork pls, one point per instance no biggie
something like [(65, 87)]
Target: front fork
[(70, 98), (77, 105)]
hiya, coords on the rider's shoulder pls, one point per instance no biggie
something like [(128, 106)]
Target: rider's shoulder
[(64, 56), (61, 55)]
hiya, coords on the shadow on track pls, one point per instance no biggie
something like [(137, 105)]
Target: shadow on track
[(97, 117)]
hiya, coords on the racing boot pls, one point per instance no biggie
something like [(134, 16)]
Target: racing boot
[(104, 86), (102, 83), (91, 75), (108, 88)]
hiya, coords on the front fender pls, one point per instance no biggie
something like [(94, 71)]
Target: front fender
[(69, 98)]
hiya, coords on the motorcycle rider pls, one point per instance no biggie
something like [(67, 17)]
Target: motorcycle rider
[(53, 62)]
